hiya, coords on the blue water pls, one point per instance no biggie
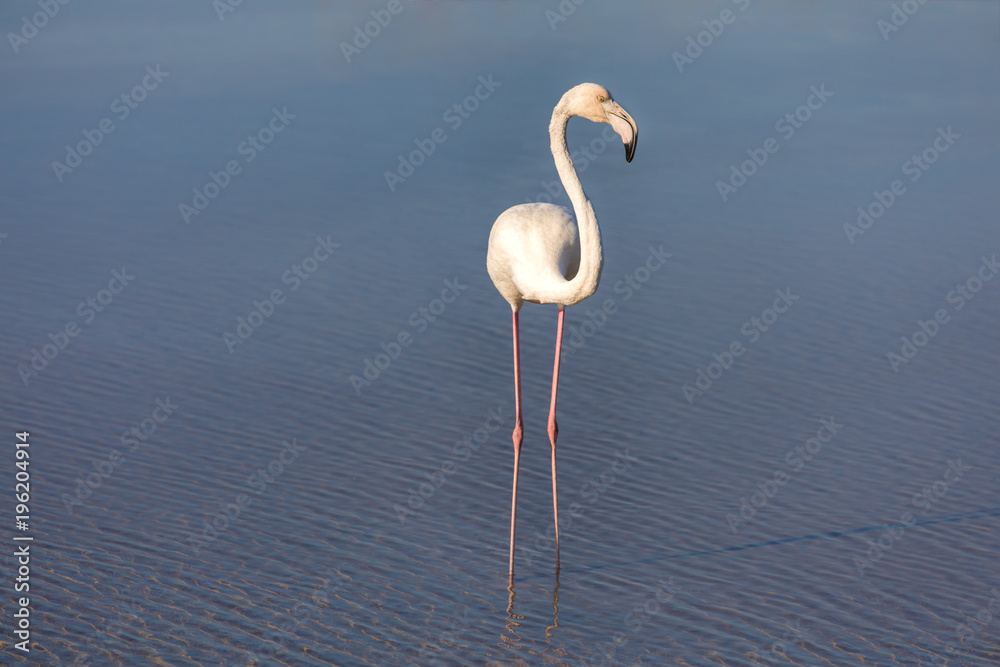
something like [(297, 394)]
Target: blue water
[(728, 479)]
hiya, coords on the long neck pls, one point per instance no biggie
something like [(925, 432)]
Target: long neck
[(585, 282)]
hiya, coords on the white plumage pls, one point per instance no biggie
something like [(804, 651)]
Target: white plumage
[(534, 249), (538, 253)]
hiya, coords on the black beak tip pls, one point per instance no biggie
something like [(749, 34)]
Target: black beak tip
[(629, 152)]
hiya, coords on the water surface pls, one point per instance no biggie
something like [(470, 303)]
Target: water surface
[(338, 539)]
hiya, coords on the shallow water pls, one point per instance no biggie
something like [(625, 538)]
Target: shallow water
[(356, 548)]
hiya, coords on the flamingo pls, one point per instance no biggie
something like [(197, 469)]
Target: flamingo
[(537, 253)]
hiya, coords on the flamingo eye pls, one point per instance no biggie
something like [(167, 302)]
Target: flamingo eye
[(601, 99)]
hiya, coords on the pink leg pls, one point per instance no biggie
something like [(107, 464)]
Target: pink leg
[(518, 437), (554, 427)]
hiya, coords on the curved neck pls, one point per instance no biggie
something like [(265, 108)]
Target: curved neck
[(585, 282)]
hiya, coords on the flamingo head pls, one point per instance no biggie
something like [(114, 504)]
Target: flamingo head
[(594, 102)]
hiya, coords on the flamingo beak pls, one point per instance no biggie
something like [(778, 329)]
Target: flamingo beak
[(623, 124)]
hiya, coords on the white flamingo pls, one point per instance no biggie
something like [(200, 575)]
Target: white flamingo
[(537, 253)]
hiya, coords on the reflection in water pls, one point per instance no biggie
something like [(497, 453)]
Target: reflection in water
[(513, 641), (555, 608)]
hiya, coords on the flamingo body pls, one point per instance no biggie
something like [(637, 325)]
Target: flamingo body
[(540, 254), (533, 246)]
